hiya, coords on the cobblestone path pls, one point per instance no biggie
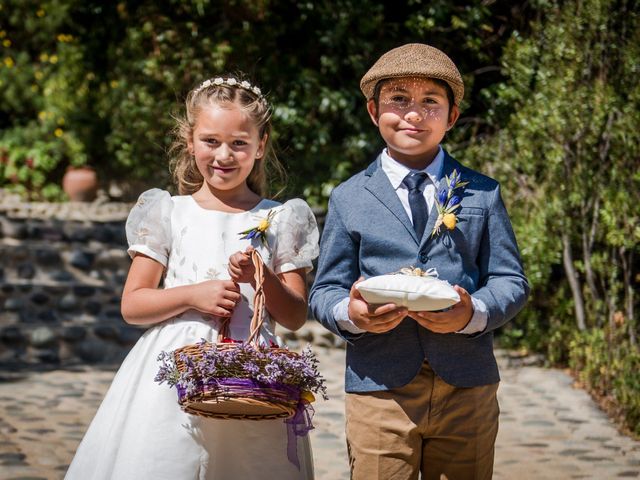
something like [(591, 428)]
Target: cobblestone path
[(548, 430)]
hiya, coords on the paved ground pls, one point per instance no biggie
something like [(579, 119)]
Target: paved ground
[(549, 430)]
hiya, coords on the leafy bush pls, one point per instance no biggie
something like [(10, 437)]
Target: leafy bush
[(97, 82), (609, 365)]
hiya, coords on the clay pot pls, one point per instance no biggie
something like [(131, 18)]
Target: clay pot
[(80, 184)]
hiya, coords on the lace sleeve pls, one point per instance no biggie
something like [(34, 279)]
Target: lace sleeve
[(148, 226), (296, 237)]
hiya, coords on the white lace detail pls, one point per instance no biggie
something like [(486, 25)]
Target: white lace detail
[(148, 226), (296, 240)]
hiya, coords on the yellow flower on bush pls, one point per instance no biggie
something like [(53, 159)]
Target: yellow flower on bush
[(8, 61), (40, 13), (58, 132), (6, 42)]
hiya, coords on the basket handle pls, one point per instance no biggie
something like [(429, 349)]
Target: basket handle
[(258, 304)]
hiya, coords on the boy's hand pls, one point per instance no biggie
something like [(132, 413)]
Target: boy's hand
[(452, 320), (241, 268), (373, 318)]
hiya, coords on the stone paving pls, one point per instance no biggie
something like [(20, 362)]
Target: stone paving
[(548, 430)]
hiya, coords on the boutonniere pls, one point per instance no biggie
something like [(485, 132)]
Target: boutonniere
[(447, 202), (260, 230)]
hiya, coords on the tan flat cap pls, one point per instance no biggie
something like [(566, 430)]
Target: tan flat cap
[(414, 60)]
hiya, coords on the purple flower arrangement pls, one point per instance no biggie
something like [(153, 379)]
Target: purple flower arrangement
[(260, 365), (264, 373)]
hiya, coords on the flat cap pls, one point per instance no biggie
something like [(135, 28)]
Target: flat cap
[(414, 60)]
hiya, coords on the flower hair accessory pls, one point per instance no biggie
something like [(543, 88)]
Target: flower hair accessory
[(260, 230), (230, 82), (447, 202)]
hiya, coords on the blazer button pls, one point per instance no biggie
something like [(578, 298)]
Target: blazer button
[(424, 258)]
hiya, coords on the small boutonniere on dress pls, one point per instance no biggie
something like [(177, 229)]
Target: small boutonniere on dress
[(447, 202), (260, 230)]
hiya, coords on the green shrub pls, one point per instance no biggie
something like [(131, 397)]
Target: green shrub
[(609, 365)]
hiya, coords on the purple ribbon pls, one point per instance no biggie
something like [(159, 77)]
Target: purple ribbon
[(298, 425)]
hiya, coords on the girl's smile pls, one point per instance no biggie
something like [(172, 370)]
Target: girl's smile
[(222, 170)]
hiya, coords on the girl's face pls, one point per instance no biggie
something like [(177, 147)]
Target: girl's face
[(225, 144), (413, 117)]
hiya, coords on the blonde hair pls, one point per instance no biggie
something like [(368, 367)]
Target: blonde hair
[(183, 166)]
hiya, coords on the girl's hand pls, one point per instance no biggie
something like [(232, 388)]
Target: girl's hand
[(216, 297), (241, 269)]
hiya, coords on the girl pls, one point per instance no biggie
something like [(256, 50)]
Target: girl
[(196, 245)]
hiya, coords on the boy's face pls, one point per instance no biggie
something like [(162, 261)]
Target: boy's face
[(412, 116)]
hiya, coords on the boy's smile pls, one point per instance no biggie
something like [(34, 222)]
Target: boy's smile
[(413, 116)]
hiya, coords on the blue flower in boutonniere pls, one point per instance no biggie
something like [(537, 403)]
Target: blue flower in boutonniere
[(260, 230), (447, 202)]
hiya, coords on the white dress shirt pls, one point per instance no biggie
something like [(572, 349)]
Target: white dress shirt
[(396, 172)]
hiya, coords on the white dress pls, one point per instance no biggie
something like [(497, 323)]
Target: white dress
[(139, 431)]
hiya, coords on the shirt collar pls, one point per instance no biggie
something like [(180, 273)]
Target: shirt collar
[(397, 171)]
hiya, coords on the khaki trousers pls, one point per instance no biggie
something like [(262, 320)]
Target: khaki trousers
[(427, 427)]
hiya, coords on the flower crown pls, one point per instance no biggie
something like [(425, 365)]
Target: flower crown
[(230, 82)]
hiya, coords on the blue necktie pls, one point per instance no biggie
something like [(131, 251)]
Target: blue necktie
[(417, 202)]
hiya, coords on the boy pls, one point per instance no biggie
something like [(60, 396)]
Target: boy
[(421, 386)]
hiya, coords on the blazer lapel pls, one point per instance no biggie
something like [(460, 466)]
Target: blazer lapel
[(448, 165), (380, 187)]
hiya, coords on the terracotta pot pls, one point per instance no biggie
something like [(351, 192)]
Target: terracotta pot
[(80, 184)]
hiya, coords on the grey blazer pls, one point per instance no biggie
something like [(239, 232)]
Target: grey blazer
[(367, 232)]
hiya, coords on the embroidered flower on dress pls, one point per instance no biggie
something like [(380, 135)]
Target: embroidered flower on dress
[(142, 232), (260, 230), (447, 202)]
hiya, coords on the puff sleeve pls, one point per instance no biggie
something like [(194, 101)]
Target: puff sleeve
[(296, 243), (148, 226)]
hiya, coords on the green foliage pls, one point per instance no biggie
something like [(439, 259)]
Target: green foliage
[(566, 149), (567, 153), (608, 364), (107, 77), (44, 88)]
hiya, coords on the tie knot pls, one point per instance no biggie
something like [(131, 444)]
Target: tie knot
[(414, 181)]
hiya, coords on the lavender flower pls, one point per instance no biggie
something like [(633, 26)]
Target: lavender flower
[(245, 361)]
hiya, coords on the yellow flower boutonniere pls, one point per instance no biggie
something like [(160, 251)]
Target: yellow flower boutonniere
[(447, 202), (260, 230)]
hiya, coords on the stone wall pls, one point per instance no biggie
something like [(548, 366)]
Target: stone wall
[(62, 269)]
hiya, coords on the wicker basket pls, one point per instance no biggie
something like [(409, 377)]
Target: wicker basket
[(244, 399)]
